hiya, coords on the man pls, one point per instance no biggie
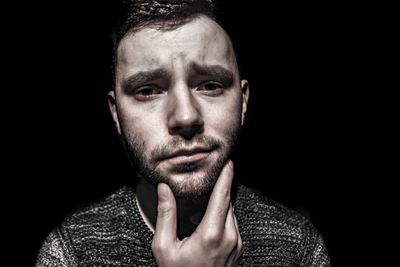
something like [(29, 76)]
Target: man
[(178, 104)]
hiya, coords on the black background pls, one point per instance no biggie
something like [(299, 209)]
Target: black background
[(302, 143)]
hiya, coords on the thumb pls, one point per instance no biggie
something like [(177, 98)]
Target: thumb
[(166, 215)]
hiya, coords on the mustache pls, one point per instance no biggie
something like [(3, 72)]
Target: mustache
[(178, 143)]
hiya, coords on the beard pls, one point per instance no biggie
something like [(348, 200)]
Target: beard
[(193, 185)]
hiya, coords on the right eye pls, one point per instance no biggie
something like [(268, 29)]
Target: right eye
[(146, 92)]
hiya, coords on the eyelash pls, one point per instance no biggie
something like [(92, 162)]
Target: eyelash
[(218, 88), (148, 92)]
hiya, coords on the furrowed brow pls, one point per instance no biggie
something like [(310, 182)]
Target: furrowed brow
[(142, 77), (215, 71)]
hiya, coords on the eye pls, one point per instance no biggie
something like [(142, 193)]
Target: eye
[(211, 88), (146, 92)]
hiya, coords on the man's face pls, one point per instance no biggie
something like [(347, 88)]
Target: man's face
[(179, 103)]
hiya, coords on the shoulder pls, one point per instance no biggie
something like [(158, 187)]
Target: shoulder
[(109, 231), (263, 209), (287, 234), (105, 211), (96, 226), (100, 224), (55, 252)]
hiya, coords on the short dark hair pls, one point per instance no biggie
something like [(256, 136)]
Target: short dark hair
[(133, 15)]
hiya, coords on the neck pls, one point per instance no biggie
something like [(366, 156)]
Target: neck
[(189, 211)]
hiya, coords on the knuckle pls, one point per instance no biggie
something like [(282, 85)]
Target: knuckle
[(155, 247), (212, 237), (226, 194), (164, 209), (240, 248), (240, 244), (232, 241), (158, 247), (220, 211)]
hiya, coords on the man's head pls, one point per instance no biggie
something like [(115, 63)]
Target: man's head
[(178, 100)]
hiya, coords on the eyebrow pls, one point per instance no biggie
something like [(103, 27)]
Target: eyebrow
[(216, 71), (143, 77)]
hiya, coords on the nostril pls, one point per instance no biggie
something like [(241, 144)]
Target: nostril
[(187, 132)]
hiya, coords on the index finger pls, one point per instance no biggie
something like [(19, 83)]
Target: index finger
[(218, 205), (165, 231)]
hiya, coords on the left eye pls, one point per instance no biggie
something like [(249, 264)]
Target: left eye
[(147, 92), (213, 88)]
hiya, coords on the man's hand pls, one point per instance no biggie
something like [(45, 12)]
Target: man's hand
[(216, 241)]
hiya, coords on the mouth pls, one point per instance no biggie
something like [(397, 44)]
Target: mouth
[(189, 155)]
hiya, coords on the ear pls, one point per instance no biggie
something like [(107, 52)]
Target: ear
[(244, 85), (113, 109)]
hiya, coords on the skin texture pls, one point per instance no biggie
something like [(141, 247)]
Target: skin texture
[(179, 104)]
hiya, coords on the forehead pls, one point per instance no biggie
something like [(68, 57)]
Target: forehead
[(201, 41)]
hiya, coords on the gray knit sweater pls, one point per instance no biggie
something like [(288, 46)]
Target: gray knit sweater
[(113, 233)]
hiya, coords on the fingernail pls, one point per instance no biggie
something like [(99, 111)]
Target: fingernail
[(230, 164)]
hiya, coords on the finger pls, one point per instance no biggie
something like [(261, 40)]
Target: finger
[(231, 232), (219, 202), (236, 225), (233, 259), (165, 232), (240, 246), (230, 226)]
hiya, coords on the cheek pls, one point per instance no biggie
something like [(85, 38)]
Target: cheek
[(141, 127), (225, 118)]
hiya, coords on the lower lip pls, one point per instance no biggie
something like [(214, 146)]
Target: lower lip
[(187, 159)]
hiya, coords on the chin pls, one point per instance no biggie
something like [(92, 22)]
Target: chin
[(191, 185), (189, 180)]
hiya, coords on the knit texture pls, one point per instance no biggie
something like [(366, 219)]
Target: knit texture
[(113, 233)]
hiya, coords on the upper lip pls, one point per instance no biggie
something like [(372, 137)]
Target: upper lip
[(189, 151)]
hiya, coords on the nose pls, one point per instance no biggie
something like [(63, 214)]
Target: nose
[(184, 116)]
